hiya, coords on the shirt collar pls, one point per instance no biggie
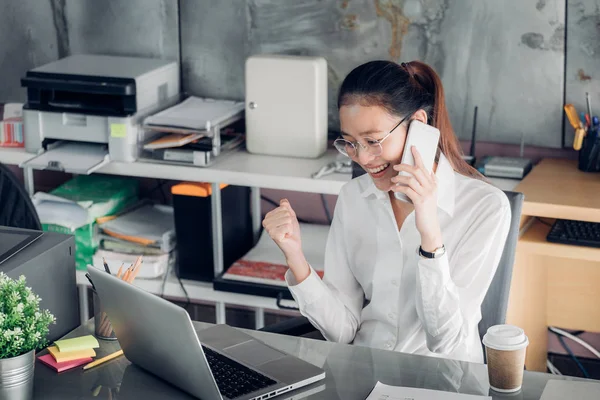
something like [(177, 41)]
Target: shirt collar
[(446, 186)]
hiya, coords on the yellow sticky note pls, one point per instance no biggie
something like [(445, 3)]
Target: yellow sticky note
[(118, 130), (78, 343), (64, 356)]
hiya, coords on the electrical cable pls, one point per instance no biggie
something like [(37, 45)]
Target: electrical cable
[(543, 222), (326, 207), (552, 368), (575, 339), (187, 297), (275, 204), (164, 282), (568, 349)]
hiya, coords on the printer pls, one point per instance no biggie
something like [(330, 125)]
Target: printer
[(84, 110)]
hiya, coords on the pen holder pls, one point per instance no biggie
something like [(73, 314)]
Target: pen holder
[(102, 327), (589, 154)]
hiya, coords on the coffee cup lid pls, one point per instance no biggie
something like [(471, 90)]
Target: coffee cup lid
[(505, 337)]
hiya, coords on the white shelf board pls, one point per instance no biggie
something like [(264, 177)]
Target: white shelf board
[(237, 168), (244, 169), (14, 156), (198, 292)]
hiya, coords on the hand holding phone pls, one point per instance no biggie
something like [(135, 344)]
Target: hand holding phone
[(425, 138)]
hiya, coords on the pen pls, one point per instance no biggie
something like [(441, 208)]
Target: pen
[(589, 106), (105, 265), (89, 278), (103, 359)]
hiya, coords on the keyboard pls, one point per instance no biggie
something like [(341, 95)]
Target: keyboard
[(233, 379), (577, 233)]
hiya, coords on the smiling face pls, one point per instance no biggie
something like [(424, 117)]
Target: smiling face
[(358, 122)]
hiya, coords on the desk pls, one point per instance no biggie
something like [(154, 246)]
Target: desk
[(555, 284), (351, 373)]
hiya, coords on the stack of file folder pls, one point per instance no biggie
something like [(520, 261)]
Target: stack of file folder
[(144, 230), (195, 131)]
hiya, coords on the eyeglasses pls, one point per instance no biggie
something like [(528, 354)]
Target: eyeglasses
[(372, 146)]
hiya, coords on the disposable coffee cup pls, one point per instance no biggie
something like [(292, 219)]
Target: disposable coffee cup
[(505, 347)]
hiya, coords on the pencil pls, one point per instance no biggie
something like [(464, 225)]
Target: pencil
[(120, 271), (103, 359), (105, 265)]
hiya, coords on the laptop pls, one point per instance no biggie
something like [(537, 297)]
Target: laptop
[(216, 363)]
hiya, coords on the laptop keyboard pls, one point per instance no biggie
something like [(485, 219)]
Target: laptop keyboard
[(233, 379)]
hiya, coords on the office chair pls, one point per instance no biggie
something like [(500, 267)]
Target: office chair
[(495, 303), (16, 208)]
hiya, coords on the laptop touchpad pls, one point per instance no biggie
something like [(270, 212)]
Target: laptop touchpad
[(253, 353)]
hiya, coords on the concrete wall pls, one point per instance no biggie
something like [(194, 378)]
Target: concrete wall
[(507, 57)]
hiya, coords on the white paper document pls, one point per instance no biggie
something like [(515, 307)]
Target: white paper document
[(386, 392), (557, 389), (197, 113)]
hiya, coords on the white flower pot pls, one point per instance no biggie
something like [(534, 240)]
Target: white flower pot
[(16, 377)]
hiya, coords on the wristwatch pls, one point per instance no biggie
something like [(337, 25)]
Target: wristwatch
[(437, 253)]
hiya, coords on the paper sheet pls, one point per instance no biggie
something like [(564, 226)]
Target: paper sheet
[(386, 392), (65, 356), (558, 389), (78, 343), (60, 367), (196, 113)]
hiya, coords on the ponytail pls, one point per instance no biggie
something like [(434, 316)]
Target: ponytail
[(425, 76), (403, 89)]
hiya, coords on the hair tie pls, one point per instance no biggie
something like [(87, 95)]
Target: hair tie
[(408, 68)]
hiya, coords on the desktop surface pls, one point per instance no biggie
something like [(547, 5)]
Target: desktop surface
[(351, 373), (555, 188)]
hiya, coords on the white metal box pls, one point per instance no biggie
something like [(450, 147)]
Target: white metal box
[(286, 105)]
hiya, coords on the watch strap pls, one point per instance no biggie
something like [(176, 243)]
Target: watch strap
[(440, 251)]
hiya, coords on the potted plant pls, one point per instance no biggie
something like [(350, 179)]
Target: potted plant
[(23, 330)]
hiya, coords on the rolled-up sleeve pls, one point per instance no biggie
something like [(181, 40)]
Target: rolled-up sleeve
[(332, 304), (451, 289)]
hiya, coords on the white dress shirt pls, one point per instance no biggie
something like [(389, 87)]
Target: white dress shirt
[(378, 291)]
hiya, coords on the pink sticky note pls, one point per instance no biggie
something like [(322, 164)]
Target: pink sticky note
[(60, 367)]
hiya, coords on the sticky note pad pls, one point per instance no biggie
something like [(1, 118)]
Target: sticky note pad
[(64, 356), (118, 130), (78, 343), (63, 366)]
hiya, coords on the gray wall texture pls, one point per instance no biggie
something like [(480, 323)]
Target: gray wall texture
[(507, 57)]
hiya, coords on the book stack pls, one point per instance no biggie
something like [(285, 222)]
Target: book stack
[(70, 353), (262, 270), (146, 230), (73, 207)]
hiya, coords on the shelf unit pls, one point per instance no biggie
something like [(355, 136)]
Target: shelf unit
[(235, 168)]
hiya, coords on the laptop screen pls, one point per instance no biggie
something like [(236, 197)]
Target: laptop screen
[(12, 241)]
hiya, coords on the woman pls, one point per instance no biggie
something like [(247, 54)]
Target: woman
[(400, 276)]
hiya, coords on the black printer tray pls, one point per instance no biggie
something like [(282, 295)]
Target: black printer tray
[(103, 96), (71, 85)]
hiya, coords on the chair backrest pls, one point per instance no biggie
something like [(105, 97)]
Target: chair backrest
[(16, 208), (495, 303)]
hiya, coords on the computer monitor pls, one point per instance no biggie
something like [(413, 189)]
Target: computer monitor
[(47, 260)]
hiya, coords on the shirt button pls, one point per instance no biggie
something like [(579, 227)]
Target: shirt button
[(395, 282), (391, 315), (388, 346)]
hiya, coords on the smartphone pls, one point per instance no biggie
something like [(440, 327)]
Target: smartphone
[(425, 138)]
